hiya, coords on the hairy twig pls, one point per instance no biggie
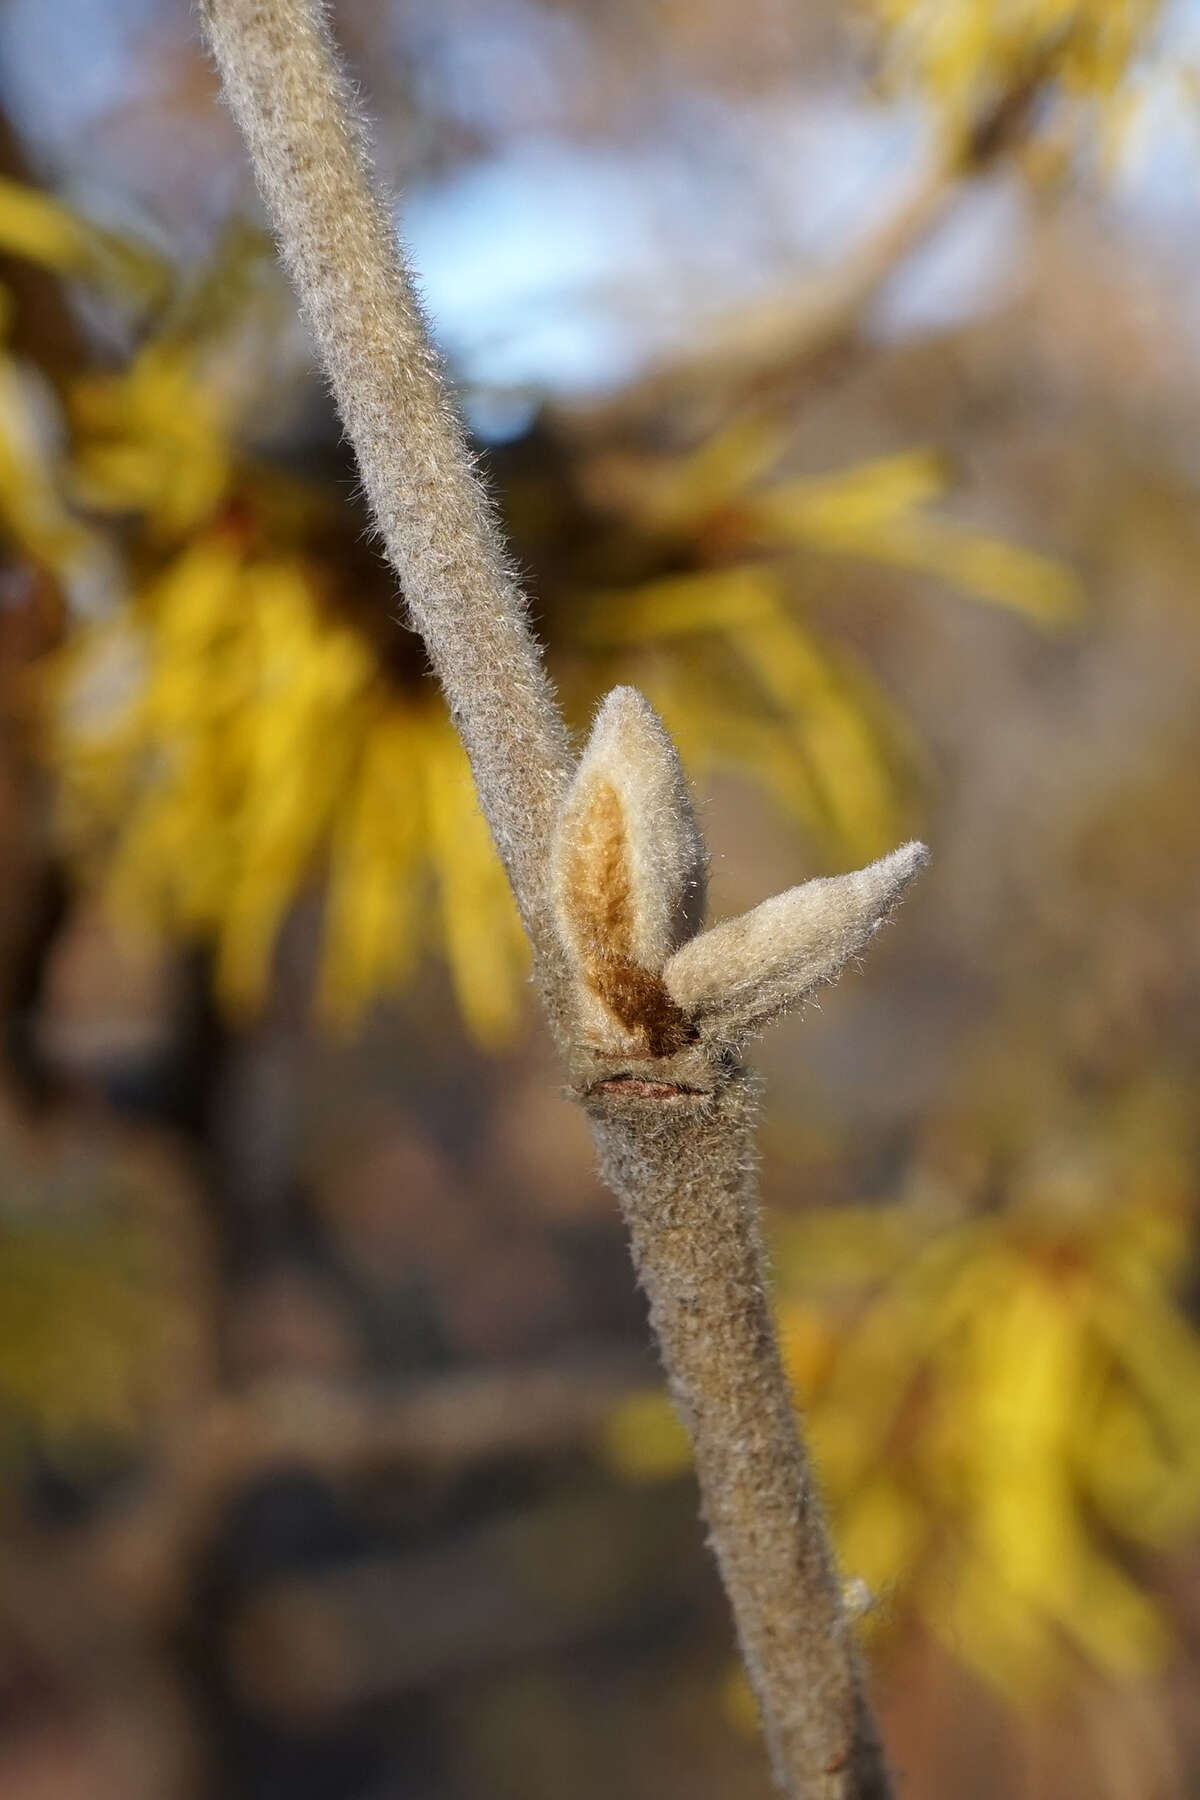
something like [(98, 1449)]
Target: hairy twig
[(339, 245), (608, 868)]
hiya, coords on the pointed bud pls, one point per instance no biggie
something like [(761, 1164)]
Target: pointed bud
[(627, 862), (734, 979)]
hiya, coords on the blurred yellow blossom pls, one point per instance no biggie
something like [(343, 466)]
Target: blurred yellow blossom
[(39, 228), (1003, 1406), (231, 730), (969, 56), (34, 517), (153, 440), (227, 740), (772, 698), (224, 738)]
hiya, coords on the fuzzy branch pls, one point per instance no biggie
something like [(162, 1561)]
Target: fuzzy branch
[(608, 867), (338, 242)]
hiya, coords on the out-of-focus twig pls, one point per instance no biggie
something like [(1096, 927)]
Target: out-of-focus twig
[(141, 1553), (742, 352), (348, 1430), (797, 325), (441, 1422), (532, 1582)]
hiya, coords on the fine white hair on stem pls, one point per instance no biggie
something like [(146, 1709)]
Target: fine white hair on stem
[(336, 236), (607, 867)]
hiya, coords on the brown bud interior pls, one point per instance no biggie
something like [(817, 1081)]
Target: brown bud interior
[(640, 1000), (598, 885)]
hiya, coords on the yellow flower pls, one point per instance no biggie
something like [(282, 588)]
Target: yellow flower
[(229, 731), (40, 229), (153, 440), (1001, 1407), (758, 690), (999, 1386), (34, 518), (967, 56), (229, 742)]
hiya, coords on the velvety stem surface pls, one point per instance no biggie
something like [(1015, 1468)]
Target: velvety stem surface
[(685, 1177), (296, 109), (674, 1131)]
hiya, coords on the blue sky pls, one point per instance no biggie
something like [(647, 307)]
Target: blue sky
[(551, 266)]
